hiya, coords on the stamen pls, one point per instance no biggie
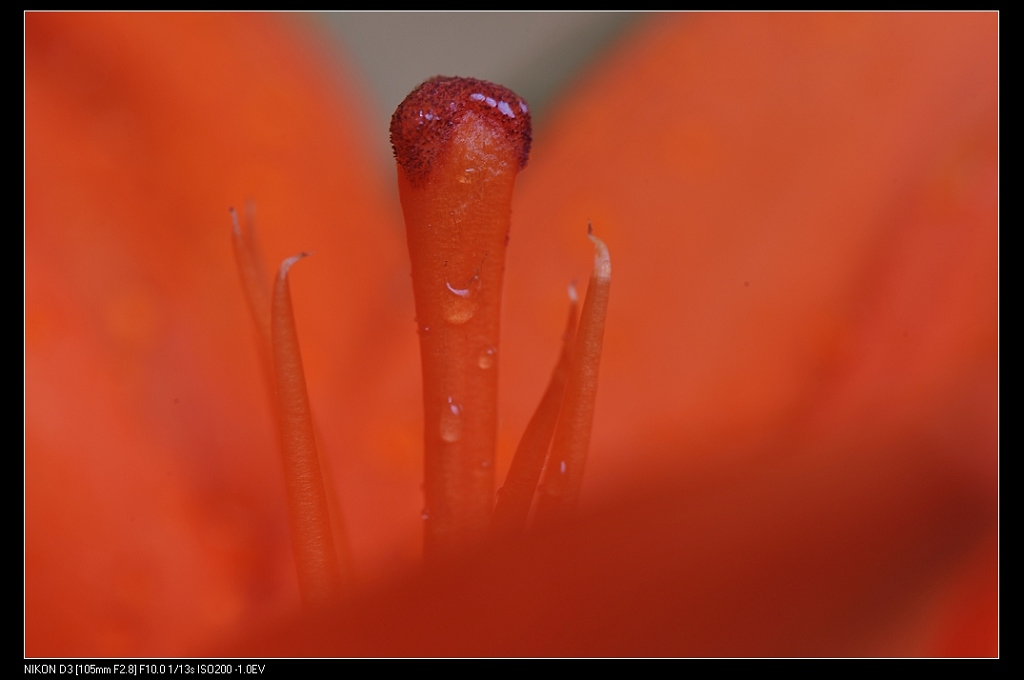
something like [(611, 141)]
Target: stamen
[(564, 474), (516, 495), (312, 541), (255, 282)]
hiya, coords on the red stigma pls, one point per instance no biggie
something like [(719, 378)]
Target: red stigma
[(424, 121)]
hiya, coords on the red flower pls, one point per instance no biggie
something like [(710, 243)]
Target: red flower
[(795, 446)]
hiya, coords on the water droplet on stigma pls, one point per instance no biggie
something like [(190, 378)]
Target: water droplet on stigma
[(459, 305), (451, 421), (486, 359)]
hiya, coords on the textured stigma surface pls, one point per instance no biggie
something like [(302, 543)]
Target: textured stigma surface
[(424, 121)]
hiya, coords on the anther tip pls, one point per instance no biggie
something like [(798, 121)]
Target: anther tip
[(602, 260), (288, 262)]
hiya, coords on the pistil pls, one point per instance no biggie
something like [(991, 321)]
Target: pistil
[(459, 144)]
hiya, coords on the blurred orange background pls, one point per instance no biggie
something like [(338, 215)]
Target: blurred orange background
[(796, 443)]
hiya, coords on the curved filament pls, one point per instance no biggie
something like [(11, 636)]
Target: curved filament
[(312, 540), (255, 282), (564, 474), (515, 497)]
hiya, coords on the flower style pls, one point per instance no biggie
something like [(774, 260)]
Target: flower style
[(795, 444)]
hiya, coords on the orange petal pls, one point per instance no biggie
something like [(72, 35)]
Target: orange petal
[(803, 214), (795, 444), (801, 348), (155, 513)]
